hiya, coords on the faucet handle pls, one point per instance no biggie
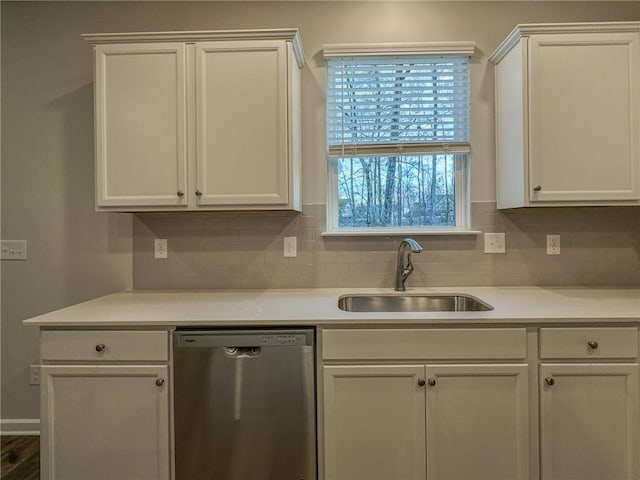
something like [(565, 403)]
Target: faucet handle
[(407, 270), (409, 267)]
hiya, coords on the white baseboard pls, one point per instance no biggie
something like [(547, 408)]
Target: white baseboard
[(20, 426)]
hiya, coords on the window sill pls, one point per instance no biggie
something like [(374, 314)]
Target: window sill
[(380, 232)]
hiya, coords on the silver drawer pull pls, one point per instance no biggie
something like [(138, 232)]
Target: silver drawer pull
[(549, 381), (100, 347), (592, 344), (432, 382), (160, 382), (421, 382)]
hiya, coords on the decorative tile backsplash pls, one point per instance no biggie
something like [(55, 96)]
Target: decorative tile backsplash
[(600, 246)]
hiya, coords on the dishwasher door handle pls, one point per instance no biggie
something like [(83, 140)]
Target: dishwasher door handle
[(242, 352)]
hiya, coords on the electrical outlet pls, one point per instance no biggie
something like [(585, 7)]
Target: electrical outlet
[(494, 243), (160, 245), (290, 247), (553, 244), (13, 250), (34, 374)]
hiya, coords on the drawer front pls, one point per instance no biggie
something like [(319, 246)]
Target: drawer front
[(423, 344), (104, 345), (613, 342)]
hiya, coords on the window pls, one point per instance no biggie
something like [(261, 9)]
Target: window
[(398, 141)]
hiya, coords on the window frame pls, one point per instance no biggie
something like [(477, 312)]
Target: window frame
[(462, 160)]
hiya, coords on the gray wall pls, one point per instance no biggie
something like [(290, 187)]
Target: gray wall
[(75, 254)]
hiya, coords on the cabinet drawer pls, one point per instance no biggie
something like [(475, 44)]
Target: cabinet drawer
[(104, 345), (423, 344), (613, 342)]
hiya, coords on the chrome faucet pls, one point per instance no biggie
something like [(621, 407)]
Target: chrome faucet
[(403, 271)]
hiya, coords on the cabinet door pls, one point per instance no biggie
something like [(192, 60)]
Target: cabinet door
[(374, 420), (589, 421), (477, 422), (105, 422), (140, 125), (584, 108), (241, 134)]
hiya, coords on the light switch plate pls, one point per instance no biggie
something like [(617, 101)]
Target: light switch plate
[(160, 247), (34, 374), (553, 244), (290, 246), (13, 250), (494, 243)]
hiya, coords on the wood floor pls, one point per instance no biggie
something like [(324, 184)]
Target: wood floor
[(20, 458)]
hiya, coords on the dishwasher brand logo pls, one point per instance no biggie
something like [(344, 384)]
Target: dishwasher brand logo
[(190, 340), (279, 339)]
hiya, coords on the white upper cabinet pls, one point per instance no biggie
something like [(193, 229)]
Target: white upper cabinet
[(140, 107), (198, 120), (568, 115), (241, 103)]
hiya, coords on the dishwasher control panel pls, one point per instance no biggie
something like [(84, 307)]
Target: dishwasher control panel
[(238, 338)]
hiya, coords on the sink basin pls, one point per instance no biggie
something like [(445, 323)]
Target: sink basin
[(412, 303)]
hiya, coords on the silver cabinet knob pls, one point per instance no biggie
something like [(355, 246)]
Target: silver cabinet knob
[(198, 193), (549, 381), (180, 193), (592, 344), (421, 382), (160, 382), (432, 382), (537, 188), (100, 347)]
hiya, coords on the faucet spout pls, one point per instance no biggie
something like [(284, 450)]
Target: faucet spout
[(403, 270)]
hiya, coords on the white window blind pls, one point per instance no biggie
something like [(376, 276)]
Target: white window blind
[(407, 104)]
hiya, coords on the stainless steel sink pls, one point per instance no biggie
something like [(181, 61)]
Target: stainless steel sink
[(412, 303)]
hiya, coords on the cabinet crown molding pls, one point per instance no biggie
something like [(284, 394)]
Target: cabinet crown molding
[(528, 29), (288, 34)]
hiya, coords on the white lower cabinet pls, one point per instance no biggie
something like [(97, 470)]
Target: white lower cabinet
[(477, 422), (105, 422), (417, 421), (374, 422), (411, 422), (105, 405), (589, 403), (589, 421)]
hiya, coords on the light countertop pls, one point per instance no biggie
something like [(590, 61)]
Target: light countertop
[(523, 305)]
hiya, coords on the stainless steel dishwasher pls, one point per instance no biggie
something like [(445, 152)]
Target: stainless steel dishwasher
[(244, 405)]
